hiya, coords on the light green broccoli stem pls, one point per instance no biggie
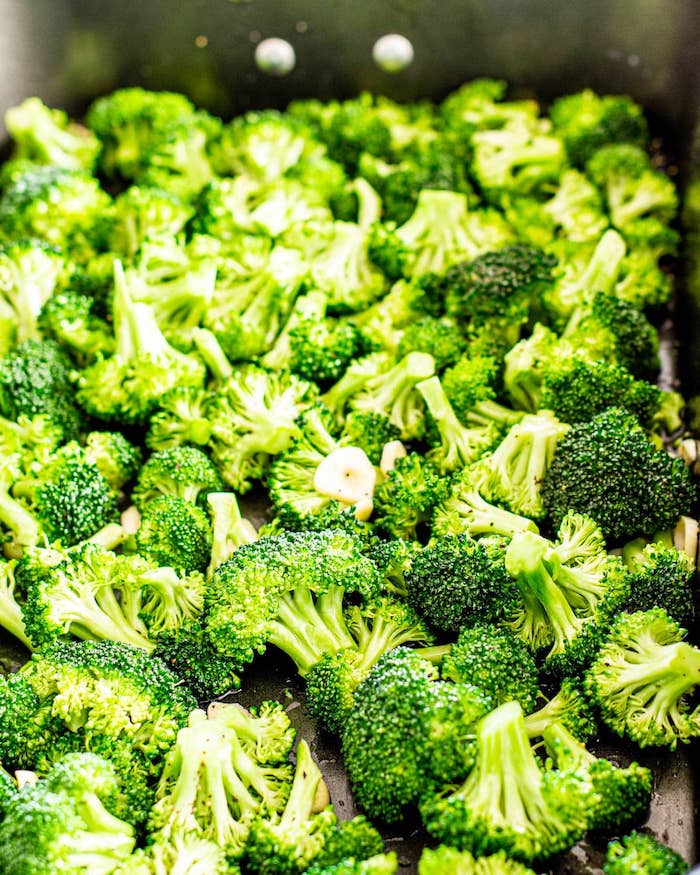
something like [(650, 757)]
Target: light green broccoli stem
[(527, 560), (10, 611), (633, 553), (384, 633), (506, 779), (460, 445), (600, 275), (390, 393), (660, 674), (520, 462), (18, 520), (435, 655), (353, 382), (307, 780), (491, 412), (479, 517), (306, 629), (211, 352), (369, 209), (229, 529), (109, 536), (567, 751), (436, 231), (311, 306)]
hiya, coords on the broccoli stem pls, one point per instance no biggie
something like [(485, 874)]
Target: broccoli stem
[(491, 412), (210, 350), (307, 779), (482, 518), (10, 611), (305, 630), (109, 536), (229, 529), (18, 520), (383, 635), (434, 655), (570, 753), (311, 306)]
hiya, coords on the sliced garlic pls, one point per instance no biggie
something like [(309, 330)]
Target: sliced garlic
[(26, 778), (322, 798), (346, 475), (685, 537), (392, 451), (131, 520)]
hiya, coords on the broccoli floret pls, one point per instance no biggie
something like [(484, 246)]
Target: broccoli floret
[(641, 677), (177, 158), (307, 310), (182, 417), (577, 208), (253, 417), (570, 592), (609, 469), (69, 496), (441, 232), (174, 532), (179, 853), (443, 859), (354, 381), (442, 338), (586, 121), (376, 629), (128, 385), (212, 786), (465, 509), (77, 593), (661, 577), (264, 145), (455, 581), (453, 445), (407, 733), (570, 707), (641, 281), (114, 456), (582, 272), (514, 472), (265, 732), (639, 852), (479, 104), (342, 269), (35, 379), (322, 349), (229, 529), (498, 284), (507, 802), (577, 389), (47, 136), (369, 431), (623, 794), (68, 318), (64, 208), (143, 213), (379, 864), (288, 591), (496, 662), (405, 499), (516, 159), (129, 121), (28, 442), (470, 387), (64, 822), (632, 188), (525, 363), (29, 272), (393, 393), (182, 472)]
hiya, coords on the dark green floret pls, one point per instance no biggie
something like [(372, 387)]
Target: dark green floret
[(180, 472), (609, 469), (175, 533), (661, 577), (496, 662), (407, 733), (70, 319), (456, 580), (116, 458), (404, 501)]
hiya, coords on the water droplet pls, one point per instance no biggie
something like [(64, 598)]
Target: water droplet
[(276, 57), (393, 52)]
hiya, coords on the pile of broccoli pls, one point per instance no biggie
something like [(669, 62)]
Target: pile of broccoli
[(425, 338)]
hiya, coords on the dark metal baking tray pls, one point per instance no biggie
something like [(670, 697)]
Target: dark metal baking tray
[(69, 51)]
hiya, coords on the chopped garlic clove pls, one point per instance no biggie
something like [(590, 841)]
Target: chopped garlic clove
[(346, 475), (392, 451)]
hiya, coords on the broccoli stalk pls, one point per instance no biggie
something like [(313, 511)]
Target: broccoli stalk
[(13, 515), (10, 609), (458, 446), (229, 529)]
